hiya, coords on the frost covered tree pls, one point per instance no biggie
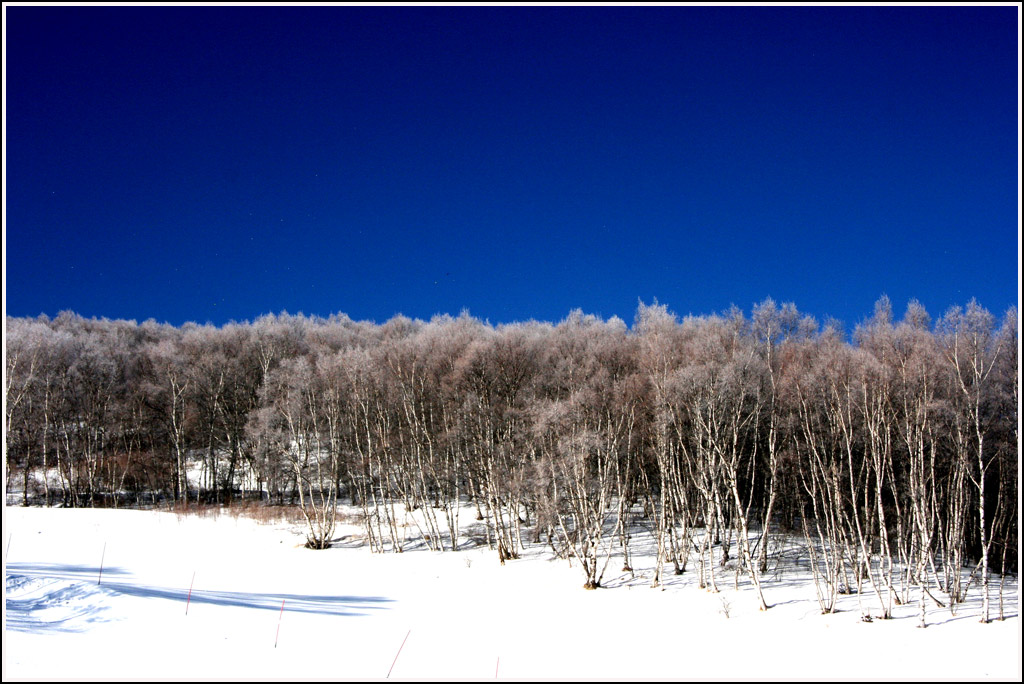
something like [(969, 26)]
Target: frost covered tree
[(893, 453), (972, 349)]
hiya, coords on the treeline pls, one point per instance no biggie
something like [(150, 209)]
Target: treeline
[(892, 454)]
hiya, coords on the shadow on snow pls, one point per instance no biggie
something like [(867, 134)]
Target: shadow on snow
[(81, 601)]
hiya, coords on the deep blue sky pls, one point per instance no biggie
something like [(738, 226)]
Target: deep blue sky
[(209, 164)]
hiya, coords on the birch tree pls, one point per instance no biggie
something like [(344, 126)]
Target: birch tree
[(971, 350)]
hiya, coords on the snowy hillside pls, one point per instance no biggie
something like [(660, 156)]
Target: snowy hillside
[(350, 614)]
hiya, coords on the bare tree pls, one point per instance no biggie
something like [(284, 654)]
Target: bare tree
[(895, 452), (972, 349)]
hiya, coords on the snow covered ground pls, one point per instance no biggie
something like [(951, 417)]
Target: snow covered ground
[(348, 613)]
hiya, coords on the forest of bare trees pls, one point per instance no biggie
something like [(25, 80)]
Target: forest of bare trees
[(891, 454)]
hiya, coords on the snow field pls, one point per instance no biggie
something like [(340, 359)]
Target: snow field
[(347, 612)]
